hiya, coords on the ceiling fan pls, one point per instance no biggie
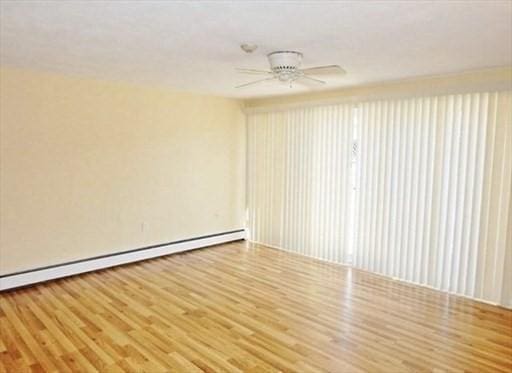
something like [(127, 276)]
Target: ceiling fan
[(285, 67)]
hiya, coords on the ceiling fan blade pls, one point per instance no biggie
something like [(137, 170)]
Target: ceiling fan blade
[(256, 81), (324, 70), (253, 71), (305, 79)]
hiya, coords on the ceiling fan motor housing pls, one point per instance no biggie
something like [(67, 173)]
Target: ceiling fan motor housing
[(284, 63)]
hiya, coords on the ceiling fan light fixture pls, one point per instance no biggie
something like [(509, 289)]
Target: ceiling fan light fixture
[(285, 76)]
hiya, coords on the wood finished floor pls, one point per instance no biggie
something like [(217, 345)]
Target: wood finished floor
[(237, 308)]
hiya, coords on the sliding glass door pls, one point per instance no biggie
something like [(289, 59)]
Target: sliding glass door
[(414, 188)]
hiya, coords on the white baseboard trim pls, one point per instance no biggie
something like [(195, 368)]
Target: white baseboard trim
[(29, 277)]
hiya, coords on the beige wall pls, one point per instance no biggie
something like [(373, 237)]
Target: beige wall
[(89, 167)]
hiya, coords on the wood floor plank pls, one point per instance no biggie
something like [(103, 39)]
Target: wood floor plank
[(242, 307)]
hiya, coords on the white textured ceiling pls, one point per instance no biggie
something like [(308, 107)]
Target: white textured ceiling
[(194, 46)]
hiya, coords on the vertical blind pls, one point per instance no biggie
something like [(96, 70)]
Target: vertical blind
[(434, 191), (298, 180), (432, 200)]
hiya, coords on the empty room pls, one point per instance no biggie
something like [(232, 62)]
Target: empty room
[(255, 186)]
